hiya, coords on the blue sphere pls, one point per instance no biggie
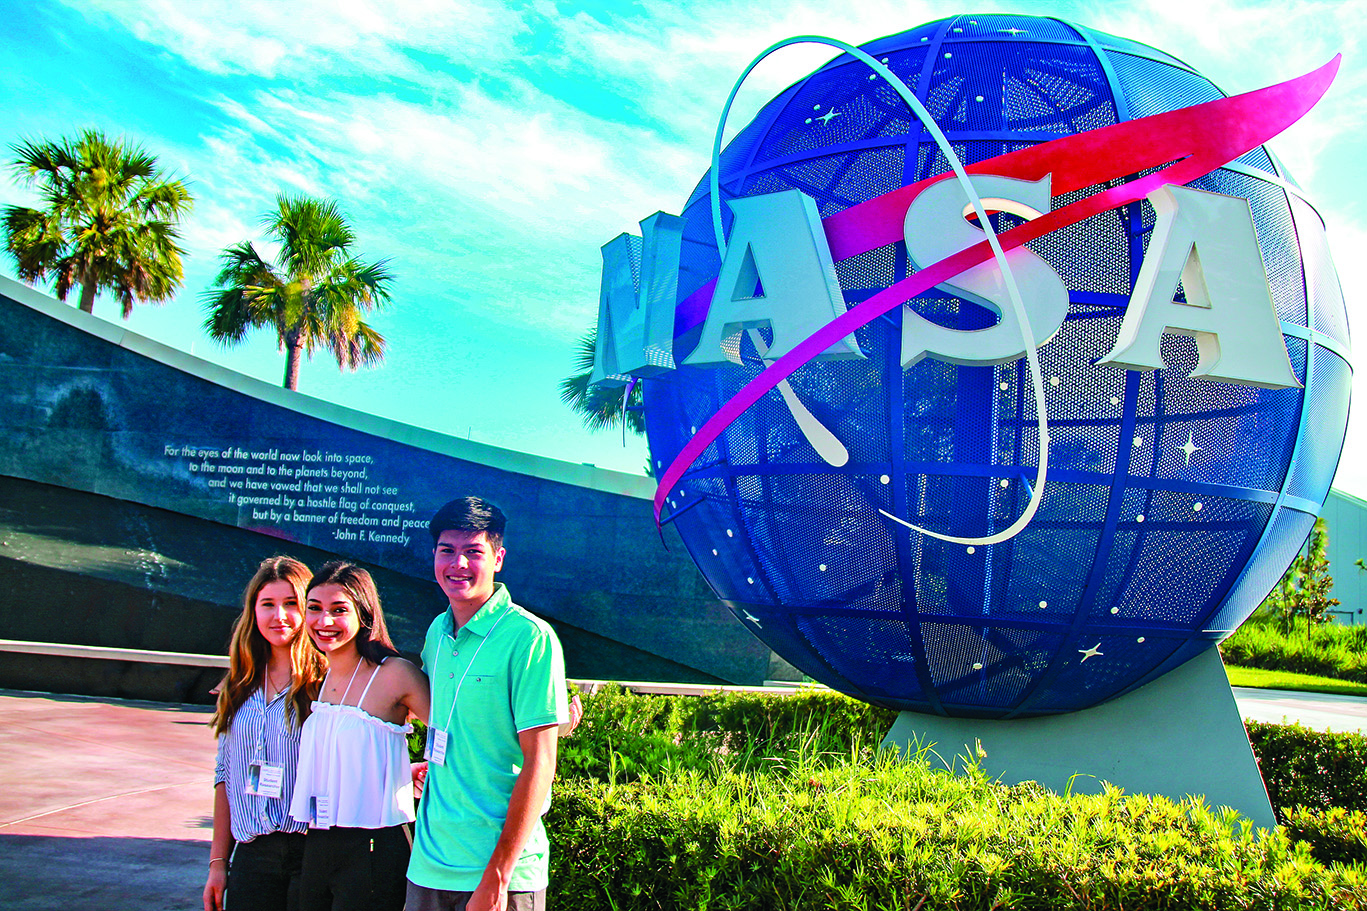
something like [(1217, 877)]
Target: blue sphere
[(1172, 504)]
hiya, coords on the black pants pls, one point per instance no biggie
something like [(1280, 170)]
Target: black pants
[(355, 869), (264, 873)]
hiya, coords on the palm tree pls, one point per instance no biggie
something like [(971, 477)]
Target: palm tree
[(313, 296), (599, 407), (108, 221)]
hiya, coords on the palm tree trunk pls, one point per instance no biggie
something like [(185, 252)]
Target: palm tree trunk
[(88, 296), (294, 351)]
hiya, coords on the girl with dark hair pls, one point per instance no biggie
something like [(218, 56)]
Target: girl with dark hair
[(355, 787), (263, 701)]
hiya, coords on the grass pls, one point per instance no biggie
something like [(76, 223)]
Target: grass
[(1286, 680), (1332, 651)]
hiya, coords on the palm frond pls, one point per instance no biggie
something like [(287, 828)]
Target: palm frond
[(316, 293), (361, 347), (599, 407), (34, 241), (107, 222)]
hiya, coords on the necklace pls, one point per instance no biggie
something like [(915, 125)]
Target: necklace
[(271, 691)]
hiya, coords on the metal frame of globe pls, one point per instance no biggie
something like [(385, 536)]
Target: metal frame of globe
[(1172, 503)]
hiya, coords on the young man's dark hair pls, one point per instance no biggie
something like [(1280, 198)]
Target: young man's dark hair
[(470, 514)]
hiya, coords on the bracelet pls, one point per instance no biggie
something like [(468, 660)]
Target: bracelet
[(214, 860)]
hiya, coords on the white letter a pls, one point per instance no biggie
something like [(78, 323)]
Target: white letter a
[(1207, 241)]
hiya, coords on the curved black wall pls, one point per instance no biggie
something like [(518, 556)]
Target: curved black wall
[(105, 416)]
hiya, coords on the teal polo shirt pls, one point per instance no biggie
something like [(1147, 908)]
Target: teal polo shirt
[(502, 673)]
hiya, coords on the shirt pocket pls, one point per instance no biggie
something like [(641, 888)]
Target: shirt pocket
[(484, 700), (483, 690)]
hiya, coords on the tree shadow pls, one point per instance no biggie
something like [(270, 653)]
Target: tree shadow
[(133, 874)]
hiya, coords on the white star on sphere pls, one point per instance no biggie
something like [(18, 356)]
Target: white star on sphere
[(1092, 652), (1190, 448), (753, 619), (828, 116)]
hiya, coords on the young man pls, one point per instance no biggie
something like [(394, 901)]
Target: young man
[(498, 695)]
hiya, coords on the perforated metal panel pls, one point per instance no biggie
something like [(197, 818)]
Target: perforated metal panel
[(1172, 503)]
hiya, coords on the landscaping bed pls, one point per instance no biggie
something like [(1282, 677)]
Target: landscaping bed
[(740, 801)]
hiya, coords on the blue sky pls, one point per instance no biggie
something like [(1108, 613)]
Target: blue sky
[(488, 150)]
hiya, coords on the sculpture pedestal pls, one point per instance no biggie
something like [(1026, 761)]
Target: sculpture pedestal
[(1180, 735)]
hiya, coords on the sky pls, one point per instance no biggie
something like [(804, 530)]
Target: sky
[(488, 150)]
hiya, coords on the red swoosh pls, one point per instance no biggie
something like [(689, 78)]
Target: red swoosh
[(1198, 139)]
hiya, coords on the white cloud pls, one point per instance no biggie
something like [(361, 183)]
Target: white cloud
[(306, 39), (682, 61), (1295, 34), (1347, 240), (511, 188)]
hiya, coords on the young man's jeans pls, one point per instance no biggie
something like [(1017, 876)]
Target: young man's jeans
[(421, 898)]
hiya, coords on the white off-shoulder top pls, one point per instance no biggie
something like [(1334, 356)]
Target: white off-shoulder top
[(359, 762)]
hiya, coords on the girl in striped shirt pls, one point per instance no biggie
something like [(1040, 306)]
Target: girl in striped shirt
[(273, 677)]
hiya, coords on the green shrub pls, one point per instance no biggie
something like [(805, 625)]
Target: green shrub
[(748, 801), (742, 801), (1307, 768), (852, 834), (417, 741), (1335, 651), (1334, 835), (827, 721), (624, 736)]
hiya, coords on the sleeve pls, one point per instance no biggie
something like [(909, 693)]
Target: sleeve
[(540, 696), (426, 653), (221, 760)]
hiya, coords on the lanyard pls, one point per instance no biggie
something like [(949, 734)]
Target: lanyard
[(461, 682), (264, 779), (346, 692), (265, 718), (261, 735)]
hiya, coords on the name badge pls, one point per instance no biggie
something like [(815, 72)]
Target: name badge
[(265, 779), (435, 751), (320, 811)]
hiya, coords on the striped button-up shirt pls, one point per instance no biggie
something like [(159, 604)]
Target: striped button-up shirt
[(259, 730)]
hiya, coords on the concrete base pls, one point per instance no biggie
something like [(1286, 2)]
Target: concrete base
[(1180, 735)]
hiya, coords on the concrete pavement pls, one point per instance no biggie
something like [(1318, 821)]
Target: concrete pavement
[(1321, 711), (104, 804)]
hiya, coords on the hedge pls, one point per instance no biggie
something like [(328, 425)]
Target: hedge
[(1333, 835), (1307, 768), (1332, 650), (747, 801), (624, 736), (849, 834)]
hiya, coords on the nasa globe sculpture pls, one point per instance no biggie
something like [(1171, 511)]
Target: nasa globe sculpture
[(848, 413)]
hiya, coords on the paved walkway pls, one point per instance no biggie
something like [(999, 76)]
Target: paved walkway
[(1321, 711), (104, 804), (107, 804)]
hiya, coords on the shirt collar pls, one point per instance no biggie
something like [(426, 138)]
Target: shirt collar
[(487, 615)]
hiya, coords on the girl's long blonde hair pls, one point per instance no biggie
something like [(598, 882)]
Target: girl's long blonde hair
[(249, 652)]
